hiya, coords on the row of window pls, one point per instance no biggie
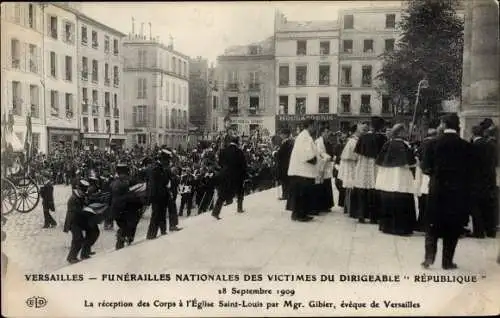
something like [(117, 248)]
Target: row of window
[(390, 21), (324, 75), (175, 119), (170, 141), (324, 105), (58, 99), (96, 128), (20, 17), (25, 56), (95, 72), (67, 67), (234, 106), (109, 105), (95, 41), (347, 46), (168, 91), (21, 106), (174, 64)]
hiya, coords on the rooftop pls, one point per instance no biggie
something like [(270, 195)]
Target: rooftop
[(81, 15), (261, 48)]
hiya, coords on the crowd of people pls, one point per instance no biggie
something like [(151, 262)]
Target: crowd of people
[(379, 174), (115, 187)]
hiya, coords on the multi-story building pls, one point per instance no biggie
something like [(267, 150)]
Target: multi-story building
[(61, 81), (22, 28), (245, 83), (364, 35), (307, 71), (100, 68), (156, 77)]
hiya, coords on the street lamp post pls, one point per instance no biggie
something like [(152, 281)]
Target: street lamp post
[(422, 84)]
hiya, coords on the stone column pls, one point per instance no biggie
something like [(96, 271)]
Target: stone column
[(466, 55), (481, 76)]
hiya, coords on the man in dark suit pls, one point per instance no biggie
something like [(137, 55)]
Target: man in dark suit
[(159, 194), (483, 185), (447, 161), (77, 222), (283, 161), (231, 177)]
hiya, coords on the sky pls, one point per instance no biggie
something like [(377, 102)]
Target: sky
[(207, 28)]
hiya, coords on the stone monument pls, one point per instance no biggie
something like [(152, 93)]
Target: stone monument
[(481, 73)]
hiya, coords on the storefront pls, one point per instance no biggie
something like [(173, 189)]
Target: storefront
[(249, 125), (294, 122), (62, 138), (103, 141)]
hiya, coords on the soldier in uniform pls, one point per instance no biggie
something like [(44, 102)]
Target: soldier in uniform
[(186, 189), (159, 194), (76, 222), (123, 208), (47, 195)]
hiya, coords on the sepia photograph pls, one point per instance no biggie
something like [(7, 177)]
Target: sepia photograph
[(250, 159)]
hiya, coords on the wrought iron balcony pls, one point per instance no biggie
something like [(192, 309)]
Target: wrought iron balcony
[(254, 86), (365, 109), (232, 86)]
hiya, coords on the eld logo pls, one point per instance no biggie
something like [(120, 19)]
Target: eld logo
[(36, 302)]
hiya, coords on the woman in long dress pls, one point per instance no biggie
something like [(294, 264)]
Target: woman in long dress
[(396, 183), (347, 168)]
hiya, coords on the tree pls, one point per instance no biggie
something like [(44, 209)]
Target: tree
[(430, 47)]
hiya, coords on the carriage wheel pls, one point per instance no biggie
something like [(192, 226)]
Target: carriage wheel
[(9, 196), (27, 194)]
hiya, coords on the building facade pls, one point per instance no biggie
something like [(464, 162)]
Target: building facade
[(157, 85), (365, 34), (307, 71), (199, 99), (22, 28), (246, 90), (100, 85)]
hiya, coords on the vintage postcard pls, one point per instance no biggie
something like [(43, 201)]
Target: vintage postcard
[(211, 159)]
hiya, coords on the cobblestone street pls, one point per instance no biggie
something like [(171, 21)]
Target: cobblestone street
[(35, 249)]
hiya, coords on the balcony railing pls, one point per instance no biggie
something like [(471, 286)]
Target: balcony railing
[(95, 45), (345, 83), (35, 110), (254, 110), (284, 83), (115, 52), (366, 83), (345, 109), (365, 109), (53, 33), (386, 110), (232, 86), (107, 111), (94, 78), (324, 80), (254, 86), (85, 108), (84, 40), (33, 67), (95, 110), (140, 123), (85, 75), (116, 112), (233, 110), (16, 62)]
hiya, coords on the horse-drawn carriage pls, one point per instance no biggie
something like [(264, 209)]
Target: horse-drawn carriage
[(19, 185)]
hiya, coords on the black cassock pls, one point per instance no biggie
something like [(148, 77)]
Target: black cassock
[(367, 199), (283, 161), (233, 172), (395, 182)]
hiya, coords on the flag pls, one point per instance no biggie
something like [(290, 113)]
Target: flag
[(28, 140)]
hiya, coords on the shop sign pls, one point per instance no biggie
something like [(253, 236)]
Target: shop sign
[(246, 121), (319, 117)]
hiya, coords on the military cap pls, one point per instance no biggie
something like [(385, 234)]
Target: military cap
[(83, 183)]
